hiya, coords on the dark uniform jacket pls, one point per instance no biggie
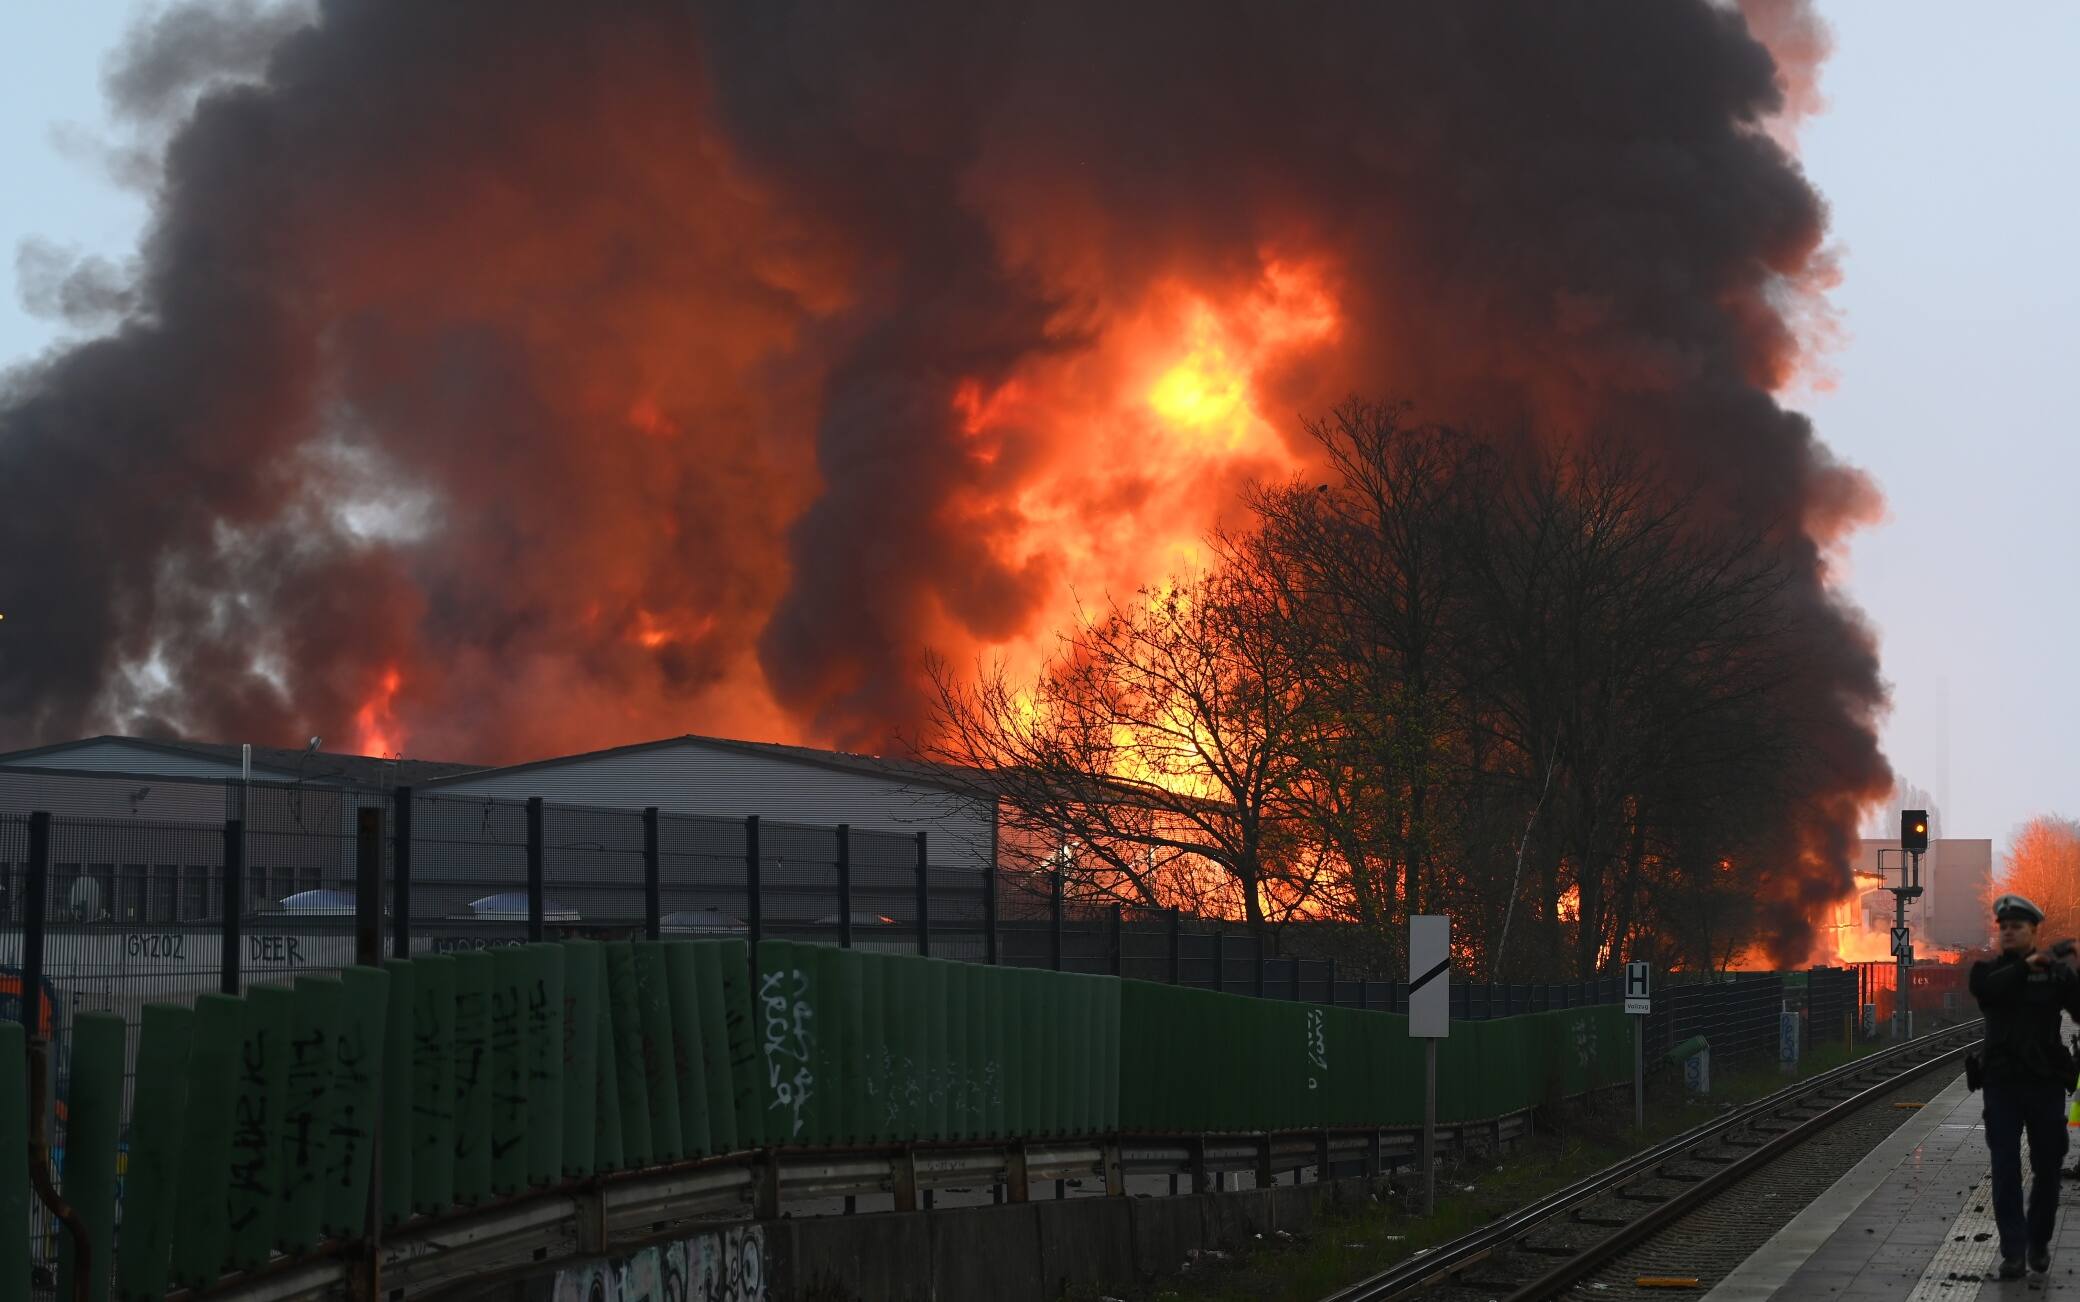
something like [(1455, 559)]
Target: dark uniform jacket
[(2022, 1023)]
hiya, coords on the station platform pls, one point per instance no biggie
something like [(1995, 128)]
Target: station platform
[(1912, 1222)]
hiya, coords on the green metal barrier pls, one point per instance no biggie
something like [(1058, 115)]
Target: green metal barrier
[(506, 1005), (355, 1100), (689, 1061), (608, 1153), (472, 1078), (266, 1024), (581, 1073), (655, 1050), (746, 1060), (398, 1121), (715, 1047), (151, 1182), (503, 1070), (623, 1008), (433, 1083), (92, 1114), (544, 1012), (201, 1223), (309, 1077)]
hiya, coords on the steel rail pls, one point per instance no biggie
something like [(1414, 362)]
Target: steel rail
[(1457, 1255)]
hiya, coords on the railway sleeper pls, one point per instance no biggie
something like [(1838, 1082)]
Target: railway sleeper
[(1631, 1197), (1680, 1177), (1600, 1222), (1547, 1250)]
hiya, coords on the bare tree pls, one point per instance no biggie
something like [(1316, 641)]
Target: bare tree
[(1364, 563), (1151, 760)]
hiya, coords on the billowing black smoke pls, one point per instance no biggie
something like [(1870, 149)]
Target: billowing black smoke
[(593, 370)]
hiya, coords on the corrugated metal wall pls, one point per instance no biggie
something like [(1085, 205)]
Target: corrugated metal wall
[(688, 778)]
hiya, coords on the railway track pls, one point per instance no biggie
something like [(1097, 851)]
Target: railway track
[(1541, 1250)]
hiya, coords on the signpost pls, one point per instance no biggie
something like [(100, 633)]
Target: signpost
[(1429, 1019), (1639, 995), (1902, 943)]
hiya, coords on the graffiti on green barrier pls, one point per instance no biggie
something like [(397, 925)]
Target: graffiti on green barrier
[(790, 1041)]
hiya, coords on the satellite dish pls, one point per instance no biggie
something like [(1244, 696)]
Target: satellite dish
[(85, 899)]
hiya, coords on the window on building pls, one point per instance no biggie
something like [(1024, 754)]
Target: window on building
[(102, 904), (130, 895), (195, 897), (59, 896), (166, 893)]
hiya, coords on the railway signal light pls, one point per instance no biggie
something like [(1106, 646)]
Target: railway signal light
[(1913, 830)]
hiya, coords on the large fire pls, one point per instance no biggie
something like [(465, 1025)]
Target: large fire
[(701, 368)]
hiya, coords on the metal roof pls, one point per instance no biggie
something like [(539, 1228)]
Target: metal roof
[(919, 772), (358, 770)]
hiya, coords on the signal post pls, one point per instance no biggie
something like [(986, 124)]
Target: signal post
[(1913, 843)]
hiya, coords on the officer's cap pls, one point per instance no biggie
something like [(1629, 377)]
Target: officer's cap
[(2016, 906)]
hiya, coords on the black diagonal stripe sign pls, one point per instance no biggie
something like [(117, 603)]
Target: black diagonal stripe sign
[(1429, 976)]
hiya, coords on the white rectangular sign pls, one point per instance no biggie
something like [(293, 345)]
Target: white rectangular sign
[(1902, 942), (1638, 994), (1429, 976)]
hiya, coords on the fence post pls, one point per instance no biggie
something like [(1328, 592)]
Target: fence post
[(535, 906), (753, 905), (1262, 961), (989, 903), (844, 886), (1119, 941), (401, 873), (35, 906), (1295, 969), (1054, 911), (1220, 961), (1331, 999), (368, 886), (1176, 948), (653, 878), (924, 899), (234, 902)]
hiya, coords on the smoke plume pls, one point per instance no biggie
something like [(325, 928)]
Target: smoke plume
[(507, 378)]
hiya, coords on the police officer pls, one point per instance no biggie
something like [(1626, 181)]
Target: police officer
[(2026, 1069)]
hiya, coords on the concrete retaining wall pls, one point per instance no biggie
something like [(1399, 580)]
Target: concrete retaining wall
[(1031, 1252)]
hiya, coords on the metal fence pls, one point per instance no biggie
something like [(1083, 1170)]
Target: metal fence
[(133, 907)]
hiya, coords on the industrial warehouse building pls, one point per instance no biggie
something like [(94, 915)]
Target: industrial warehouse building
[(717, 778), (139, 841), (740, 834)]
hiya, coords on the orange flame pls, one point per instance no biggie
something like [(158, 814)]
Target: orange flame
[(376, 727), (1127, 453)]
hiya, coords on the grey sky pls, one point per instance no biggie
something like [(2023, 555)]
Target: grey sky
[(1949, 154)]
